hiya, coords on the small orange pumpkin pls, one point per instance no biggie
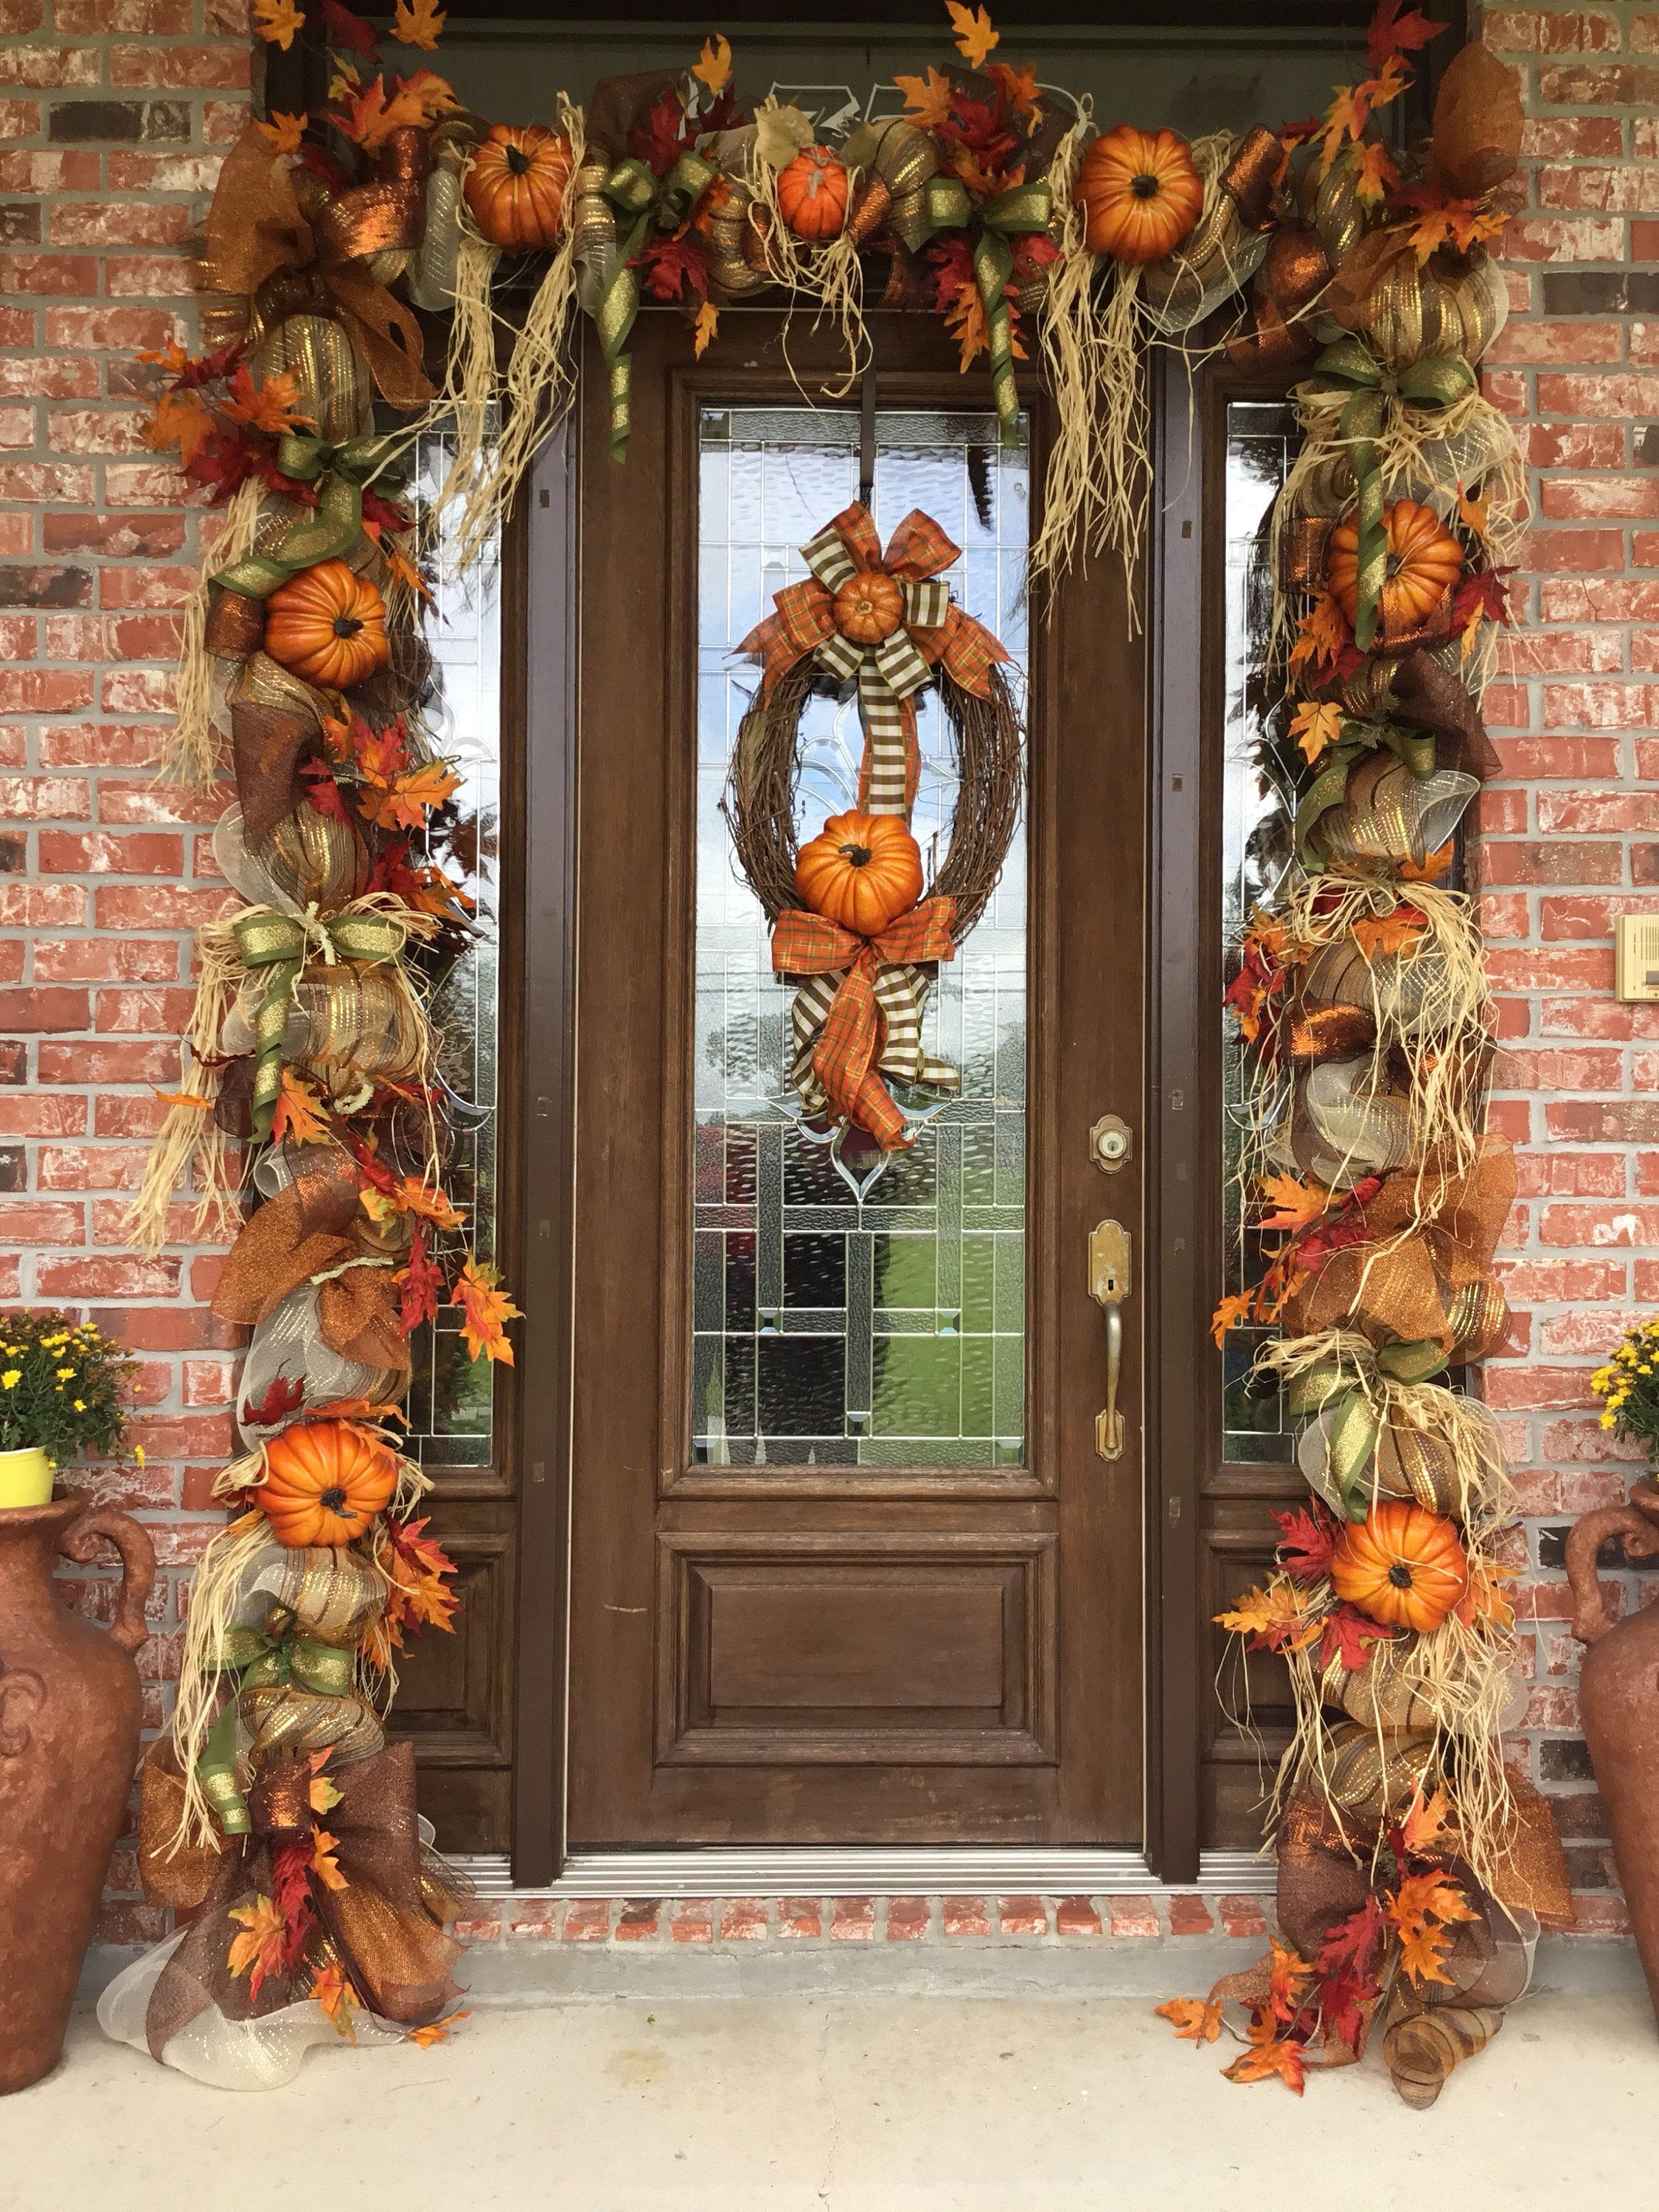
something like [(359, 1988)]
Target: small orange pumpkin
[(863, 871), (1139, 193), (515, 187), (1401, 1565), (869, 607), (328, 625), (813, 193), (1424, 561), (324, 1482)]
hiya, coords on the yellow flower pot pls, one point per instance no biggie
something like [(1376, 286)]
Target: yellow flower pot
[(25, 1477)]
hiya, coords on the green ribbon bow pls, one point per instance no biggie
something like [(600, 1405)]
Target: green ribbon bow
[(1353, 1427), (263, 1661), (1416, 748), (1020, 211), (643, 199), (332, 530), (282, 943), (1436, 381)]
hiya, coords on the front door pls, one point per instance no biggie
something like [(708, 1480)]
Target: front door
[(845, 1565)]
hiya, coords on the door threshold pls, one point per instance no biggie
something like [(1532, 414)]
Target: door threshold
[(871, 1870)]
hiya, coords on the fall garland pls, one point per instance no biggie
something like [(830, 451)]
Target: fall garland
[(1413, 1865)]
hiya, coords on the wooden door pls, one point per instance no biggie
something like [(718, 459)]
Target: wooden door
[(845, 1564)]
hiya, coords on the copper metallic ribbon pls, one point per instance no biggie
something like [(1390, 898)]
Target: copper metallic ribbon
[(281, 943), (1022, 211), (332, 530), (1438, 381)]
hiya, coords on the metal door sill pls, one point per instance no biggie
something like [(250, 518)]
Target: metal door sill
[(874, 1870)]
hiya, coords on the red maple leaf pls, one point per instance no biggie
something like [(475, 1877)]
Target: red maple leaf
[(1484, 588), (347, 30), (419, 1285), (1353, 1944), (1391, 33), (665, 132), (221, 462), (674, 266), (323, 795), (1307, 1538), (384, 512), (1033, 254), (1344, 1635), (1339, 1999), (290, 1883), (283, 1395)]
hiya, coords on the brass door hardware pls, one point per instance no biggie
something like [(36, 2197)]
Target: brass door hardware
[(1108, 1285)]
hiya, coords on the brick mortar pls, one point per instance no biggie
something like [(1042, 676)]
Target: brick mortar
[(94, 954)]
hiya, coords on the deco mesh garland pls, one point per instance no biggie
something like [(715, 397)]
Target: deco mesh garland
[(1414, 1866)]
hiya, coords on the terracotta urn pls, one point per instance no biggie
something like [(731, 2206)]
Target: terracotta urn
[(69, 1745), (1618, 1708)]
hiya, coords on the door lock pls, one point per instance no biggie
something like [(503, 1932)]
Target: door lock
[(1109, 1143), (1109, 1249)]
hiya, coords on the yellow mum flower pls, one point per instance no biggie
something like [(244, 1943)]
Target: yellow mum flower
[(11, 1378), (138, 1454), (66, 1375), (1608, 1421), (79, 1405)]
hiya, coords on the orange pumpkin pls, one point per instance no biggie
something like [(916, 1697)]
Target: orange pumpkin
[(328, 625), (1424, 561), (863, 871), (1401, 1565), (869, 607), (813, 193), (324, 1482), (515, 187), (1139, 193)]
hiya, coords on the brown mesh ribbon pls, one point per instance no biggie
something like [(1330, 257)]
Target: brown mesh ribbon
[(267, 746), (180, 1879), (1432, 1233)]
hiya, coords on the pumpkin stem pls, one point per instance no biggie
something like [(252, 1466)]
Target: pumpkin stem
[(517, 161), (856, 856), (333, 1500), (346, 625), (1400, 1575), (1146, 186)]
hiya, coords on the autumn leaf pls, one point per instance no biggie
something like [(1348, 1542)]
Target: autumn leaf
[(1307, 1537), (1389, 82), (421, 1573), (1237, 1306), (673, 267), (345, 29), (1425, 1825), (714, 66), (419, 1283), (383, 1201), (282, 1395), (271, 406), (1272, 1615), (1391, 33), (184, 1098), (1353, 1944), (181, 420), (1296, 1203), (324, 1797), (1316, 725), (964, 318), (276, 21), (1375, 173), (323, 1864), (257, 1951), (1193, 2020), (1422, 1909), (1430, 868), (926, 100), (703, 330), (1387, 936), (1268, 2057), (335, 1994), (1287, 1980), (975, 35), (436, 2031), (403, 802), (1018, 87), (1344, 1636), (283, 133), (299, 1114), (486, 1309), (1322, 633), (421, 25), (370, 117), (1345, 119), (1485, 1597)]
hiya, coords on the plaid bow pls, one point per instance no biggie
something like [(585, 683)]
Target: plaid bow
[(872, 1019), (934, 633)]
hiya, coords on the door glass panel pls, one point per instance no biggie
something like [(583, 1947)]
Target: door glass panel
[(887, 1331), (1256, 851)]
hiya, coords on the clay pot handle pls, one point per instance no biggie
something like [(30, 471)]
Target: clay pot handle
[(128, 1628), (1589, 1621)]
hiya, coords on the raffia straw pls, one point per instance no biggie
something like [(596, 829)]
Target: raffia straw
[(468, 407), (831, 274), (216, 1592), (191, 1136), (191, 756), (1073, 490)]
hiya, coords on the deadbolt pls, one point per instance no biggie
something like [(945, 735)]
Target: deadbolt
[(1109, 1143)]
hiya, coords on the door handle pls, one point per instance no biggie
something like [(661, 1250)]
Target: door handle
[(1110, 1250)]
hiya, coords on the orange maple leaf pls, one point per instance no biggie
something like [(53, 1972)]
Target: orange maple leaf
[(420, 25), (1375, 173), (184, 1098), (1345, 119), (436, 2031), (299, 1114), (1289, 1977), (1322, 633), (926, 100), (1296, 1203), (1485, 1598), (179, 420), (404, 801), (403, 570), (324, 1797), (964, 318), (486, 1311), (1237, 1306), (1388, 936), (257, 1951), (1274, 1614), (703, 331), (1429, 869), (1423, 1907), (1267, 2056), (370, 117), (276, 21), (1425, 1822), (272, 406), (1193, 2020), (1018, 86), (713, 66), (1389, 82), (337, 1997), (975, 35), (323, 1862), (1316, 725), (284, 134)]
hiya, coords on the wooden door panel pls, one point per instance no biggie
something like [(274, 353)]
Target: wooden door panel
[(856, 1648), (812, 1652)]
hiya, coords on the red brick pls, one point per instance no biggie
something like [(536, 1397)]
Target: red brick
[(800, 1918), (587, 1920), (1242, 1915), (1604, 1226), (44, 1008), (107, 1061), (49, 68), (164, 222), (1552, 31), (1600, 1915), (1076, 1916), (908, 1919), (1133, 1916), (535, 1919), (742, 1920), (223, 68), (106, 1277), (854, 1920), (965, 1916), (693, 1921), (1190, 1916), (1023, 1916), (639, 1919), (1574, 550), (103, 854)]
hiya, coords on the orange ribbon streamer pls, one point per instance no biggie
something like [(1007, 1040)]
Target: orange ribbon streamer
[(844, 1058)]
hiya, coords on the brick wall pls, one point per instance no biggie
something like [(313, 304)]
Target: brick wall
[(113, 113)]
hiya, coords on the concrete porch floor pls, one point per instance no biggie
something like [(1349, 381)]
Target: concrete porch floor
[(852, 2103)]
